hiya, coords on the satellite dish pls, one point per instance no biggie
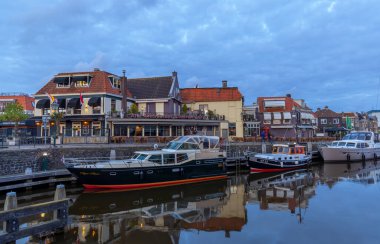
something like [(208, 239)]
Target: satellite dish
[(155, 146)]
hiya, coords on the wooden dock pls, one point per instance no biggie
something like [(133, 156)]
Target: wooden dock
[(12, 182), (12, 215)]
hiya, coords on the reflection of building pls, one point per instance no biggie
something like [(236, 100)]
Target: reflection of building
[(216, 102), (281, 192), (157, 215)]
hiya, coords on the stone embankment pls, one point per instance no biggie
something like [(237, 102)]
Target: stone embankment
[(16, 161)]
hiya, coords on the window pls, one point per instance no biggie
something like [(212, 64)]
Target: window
[(113, 105), (155, 158), (182, 157), (335, 121), (62, 81), (150, 130), (323, 121), (81, 81), (115, 81), (232, 129), (169, 158), (203, 107), (176, 130), (163, 131)]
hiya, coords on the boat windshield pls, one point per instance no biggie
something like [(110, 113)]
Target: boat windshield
[(358, 136), (283, 150), (135, 156), (341, 144), (173, 145), (335, 143), (142, 156)]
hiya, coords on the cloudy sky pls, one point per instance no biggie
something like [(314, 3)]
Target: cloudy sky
[(325, 51)]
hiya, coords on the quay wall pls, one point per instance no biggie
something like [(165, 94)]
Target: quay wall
[(16, 161)]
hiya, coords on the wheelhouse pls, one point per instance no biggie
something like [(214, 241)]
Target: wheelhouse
[(288, 149)]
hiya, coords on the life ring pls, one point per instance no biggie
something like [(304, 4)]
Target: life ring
[(348, 157)]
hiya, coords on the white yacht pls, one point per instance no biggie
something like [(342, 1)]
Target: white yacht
[(354, 146)]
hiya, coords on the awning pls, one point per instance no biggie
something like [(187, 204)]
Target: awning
[(277, 115), (267, 116), (94, 101), (335, 129), (287, 115), (61, 102), (43, 103), (73, 103)]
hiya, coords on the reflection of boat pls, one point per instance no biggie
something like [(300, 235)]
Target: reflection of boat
[(93, 202), (156, 215), (283, 157), (354, 146), (282, 191), (187, 159)]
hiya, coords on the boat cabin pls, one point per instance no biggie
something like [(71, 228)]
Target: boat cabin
[(349, 144), (288, 149)]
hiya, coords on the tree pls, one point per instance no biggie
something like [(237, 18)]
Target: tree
[(133, 109), (184, 109), (14, 112), (56, 117)]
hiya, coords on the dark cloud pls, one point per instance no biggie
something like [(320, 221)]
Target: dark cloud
[(324, 51)]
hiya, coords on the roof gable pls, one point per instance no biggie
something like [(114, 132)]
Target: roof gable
[(326, 113)]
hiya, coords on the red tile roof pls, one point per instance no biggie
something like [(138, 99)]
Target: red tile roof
[(99, 83), (24, 100), (191, 95), (349, 114), (289, 104)]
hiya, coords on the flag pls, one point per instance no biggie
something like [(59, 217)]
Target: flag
[(81, 99), (51, 97)]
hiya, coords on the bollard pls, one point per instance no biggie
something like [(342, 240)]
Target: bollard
[(11, 225), (60, 192), (310, 148), (263, 148), (113, 155)]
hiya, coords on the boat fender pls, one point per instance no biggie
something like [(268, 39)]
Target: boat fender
[(363, 157), (375, 156), (348, 157), (282, 164)]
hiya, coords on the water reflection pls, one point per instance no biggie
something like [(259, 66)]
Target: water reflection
[(157, 215), (227, 207)]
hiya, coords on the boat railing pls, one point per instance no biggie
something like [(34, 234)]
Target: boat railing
[(93, 161)]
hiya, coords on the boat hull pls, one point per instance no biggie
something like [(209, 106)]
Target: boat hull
[(258, 165), (333, 154), (149, 177)]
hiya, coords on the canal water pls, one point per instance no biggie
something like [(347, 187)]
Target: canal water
[(330, 203)]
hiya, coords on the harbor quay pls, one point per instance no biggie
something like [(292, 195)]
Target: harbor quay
[(16, 160)]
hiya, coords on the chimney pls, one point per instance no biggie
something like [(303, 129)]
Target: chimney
[(174, 74), (124, 93), (318, 109), (224, 83), (96, 69), (288, 95), (326, 107)]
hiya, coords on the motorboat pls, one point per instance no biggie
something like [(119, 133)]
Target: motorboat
[(186, 159), (353, 147), (283, 157)]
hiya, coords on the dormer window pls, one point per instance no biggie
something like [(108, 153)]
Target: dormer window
[(62, 81), (115, 81), (81, 81)]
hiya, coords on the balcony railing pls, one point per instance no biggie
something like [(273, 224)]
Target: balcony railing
[(144, 115)]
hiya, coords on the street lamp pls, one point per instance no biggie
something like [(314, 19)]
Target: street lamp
[(54, 108)]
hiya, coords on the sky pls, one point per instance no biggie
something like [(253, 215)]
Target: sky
[(324, 51)]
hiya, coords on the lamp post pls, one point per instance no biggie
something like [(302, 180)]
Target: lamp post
[(54, 108)]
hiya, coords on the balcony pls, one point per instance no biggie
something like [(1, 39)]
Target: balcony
[(145, 115)]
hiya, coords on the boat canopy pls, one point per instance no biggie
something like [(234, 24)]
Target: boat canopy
[(365, 136), (194, 143)]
